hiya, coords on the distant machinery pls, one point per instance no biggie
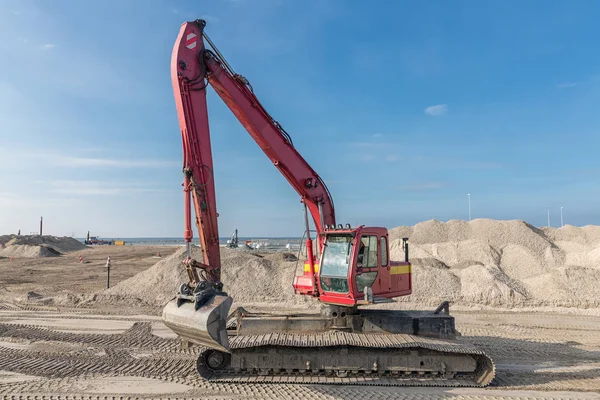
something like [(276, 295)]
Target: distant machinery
[(233, 242), (95, 240)]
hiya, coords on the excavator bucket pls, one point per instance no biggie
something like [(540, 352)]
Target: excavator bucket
[(205, 326)]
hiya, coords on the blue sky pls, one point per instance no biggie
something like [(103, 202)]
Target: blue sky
[(402, 107)]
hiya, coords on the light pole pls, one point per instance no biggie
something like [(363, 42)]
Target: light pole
[(561, 218), (548, 217), (469, 196)]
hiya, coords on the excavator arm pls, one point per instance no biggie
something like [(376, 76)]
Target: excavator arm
[(193, 68)]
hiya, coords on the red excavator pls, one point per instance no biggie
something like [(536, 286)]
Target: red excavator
[(348, 269)]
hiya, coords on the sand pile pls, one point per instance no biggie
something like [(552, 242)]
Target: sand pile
[(154, 286), (27, 251), (29, 246), (251, 279), (478, 263), (502, 263), (581, 245), (586, 235)]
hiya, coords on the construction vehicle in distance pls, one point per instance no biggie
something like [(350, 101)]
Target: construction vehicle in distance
[(95, 240), (233, 242), (349, 268)]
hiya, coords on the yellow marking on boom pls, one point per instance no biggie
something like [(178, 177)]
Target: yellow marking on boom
[(307, 267)]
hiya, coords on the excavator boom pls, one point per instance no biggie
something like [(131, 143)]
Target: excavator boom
[(193, 68)]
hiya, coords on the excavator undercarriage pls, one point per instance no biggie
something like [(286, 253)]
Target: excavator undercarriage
[(346, 346)]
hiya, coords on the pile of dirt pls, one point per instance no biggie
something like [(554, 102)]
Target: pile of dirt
[(478, 263), (154, 286), (501, 263), (27, 251), (250, 278), (29, 246)]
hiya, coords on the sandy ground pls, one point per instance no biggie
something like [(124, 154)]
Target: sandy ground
[(108, 350), (52, 276)]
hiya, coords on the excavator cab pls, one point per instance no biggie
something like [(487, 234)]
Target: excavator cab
[(354, 269)]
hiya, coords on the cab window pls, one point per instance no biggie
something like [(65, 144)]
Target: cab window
[(384, 256), (335, 263), (367, 253)]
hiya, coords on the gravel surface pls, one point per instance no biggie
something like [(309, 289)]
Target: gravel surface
[(49, 353)]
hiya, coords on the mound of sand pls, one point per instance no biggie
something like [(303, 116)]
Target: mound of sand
[(502, 263), (251, 279), (434, 283), (478, 263), (470, 282), (586, 235), (27, 251), (29, 246)]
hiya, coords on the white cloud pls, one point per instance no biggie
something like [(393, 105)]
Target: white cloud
[(8, 199), (391, 158), (93, 149), (55, 159), (566, 85), (69, 71), (14, 201), (97, 188), (377, 135), (370, 145), (437, 110), (108, 162), (422, 186)]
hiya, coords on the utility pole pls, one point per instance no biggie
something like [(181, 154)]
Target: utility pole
[(41, 224), (108, 272), (469, 195), (561, 217), (548, 217)]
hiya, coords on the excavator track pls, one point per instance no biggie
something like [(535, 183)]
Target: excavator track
[(349, 359)]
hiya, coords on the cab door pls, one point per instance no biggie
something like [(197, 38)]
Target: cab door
[(385, 281), (372, 267), (367, 263)]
